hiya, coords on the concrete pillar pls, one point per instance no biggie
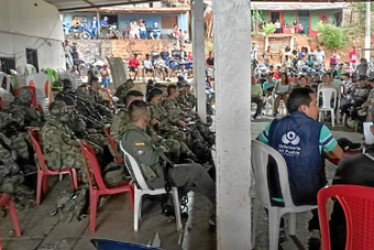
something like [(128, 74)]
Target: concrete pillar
[(232, 45), (198, 46), (367, 32)]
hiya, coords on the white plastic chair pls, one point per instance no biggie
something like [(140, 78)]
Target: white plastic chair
[(141, 188), (327, 94), (7, 85), (44, 95), (30, 69), (260, 156)]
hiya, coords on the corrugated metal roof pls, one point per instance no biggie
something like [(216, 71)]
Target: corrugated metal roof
[(67, 5), (301, 5)]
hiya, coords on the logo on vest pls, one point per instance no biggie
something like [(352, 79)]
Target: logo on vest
[(291, 137), (289, 147)]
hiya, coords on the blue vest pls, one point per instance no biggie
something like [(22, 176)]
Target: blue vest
[(296, 138)]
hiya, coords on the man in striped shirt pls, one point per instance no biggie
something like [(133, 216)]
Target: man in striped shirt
[(304, 143)]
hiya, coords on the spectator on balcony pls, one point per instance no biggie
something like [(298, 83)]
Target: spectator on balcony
[(156, 33), (186, 37), (104, 23), (176, 33), (300, 29), (134, 30), (143, 30), (278, 27), (134, 65), (126, 31), (76, 24), (295, 24), (94, 26)]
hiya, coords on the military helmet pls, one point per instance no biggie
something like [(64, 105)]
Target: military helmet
[(57, 108)]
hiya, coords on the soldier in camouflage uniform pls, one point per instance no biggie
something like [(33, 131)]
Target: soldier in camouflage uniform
[(165, 127), (122, 117), (60, 147), (186, 100), (123, 90), (198, 137)]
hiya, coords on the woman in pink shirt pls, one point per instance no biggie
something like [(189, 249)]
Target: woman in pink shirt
[(334, 59)]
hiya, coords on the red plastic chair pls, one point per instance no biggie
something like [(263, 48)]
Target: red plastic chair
[(113, 146), (6, 201), (97, 185), (109, 94), (358, 206), (43, 171)]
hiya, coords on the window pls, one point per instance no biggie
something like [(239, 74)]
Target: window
[(275, 16), (324, 18), (32, 58), (168, 22), (6, 64)]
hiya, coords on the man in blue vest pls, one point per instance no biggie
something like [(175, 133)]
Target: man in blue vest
[(303, 142)]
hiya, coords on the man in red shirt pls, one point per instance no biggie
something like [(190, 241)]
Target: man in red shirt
[(133, 65), (353, 58)]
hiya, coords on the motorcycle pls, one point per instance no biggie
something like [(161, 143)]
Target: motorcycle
[(110, 32), (82, 33)]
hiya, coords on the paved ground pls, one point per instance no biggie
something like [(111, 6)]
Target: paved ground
[(115, 221)]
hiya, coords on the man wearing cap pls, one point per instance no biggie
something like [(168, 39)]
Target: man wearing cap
[(105, 76), (186, 100)]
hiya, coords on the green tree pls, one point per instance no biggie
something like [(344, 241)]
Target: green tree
[(332, 36)]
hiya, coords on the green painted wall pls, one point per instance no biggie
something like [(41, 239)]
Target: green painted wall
[(290, 16), (315, 17)]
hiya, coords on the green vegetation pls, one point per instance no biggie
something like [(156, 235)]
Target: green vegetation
[(333, 37), (269, 28)]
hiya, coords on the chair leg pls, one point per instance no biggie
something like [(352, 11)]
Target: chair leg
[(93, 210), (274, 223), (137, 208), (73, 178), (292, 224), (39, 187), (45, 183), (320, 116), (177, 208), (131, 194), (14, 218), (333, 118)]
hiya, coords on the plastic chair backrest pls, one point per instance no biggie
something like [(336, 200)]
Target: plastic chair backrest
[(1, 103), (358, 206), (327, 94), (43, 89), (5, 82), (93, 171), (112, 142), (260, 158), (34, 136), (33, 100), (30, 69), (134, 169)]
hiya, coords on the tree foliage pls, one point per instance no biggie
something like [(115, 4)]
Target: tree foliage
[(269, 28), (332, 36)]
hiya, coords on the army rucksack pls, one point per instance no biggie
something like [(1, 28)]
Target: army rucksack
[(113, 174)]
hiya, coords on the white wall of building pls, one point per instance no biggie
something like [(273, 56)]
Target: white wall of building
[(32, 25)]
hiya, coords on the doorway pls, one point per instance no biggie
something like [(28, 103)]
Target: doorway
[(304, 20)]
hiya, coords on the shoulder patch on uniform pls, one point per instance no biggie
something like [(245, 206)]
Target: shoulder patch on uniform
[(139, 144)]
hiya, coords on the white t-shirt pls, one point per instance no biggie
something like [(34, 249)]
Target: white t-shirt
[(319, 55), (148, 64)]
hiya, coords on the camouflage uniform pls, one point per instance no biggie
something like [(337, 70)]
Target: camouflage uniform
[(60, 147), (123, 89), (186, 100), (119, 122)]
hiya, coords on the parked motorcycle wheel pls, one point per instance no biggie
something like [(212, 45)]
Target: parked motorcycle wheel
[(85, 35)]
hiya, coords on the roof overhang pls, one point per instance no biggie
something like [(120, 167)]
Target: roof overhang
[(305, 5), (70, 5)]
